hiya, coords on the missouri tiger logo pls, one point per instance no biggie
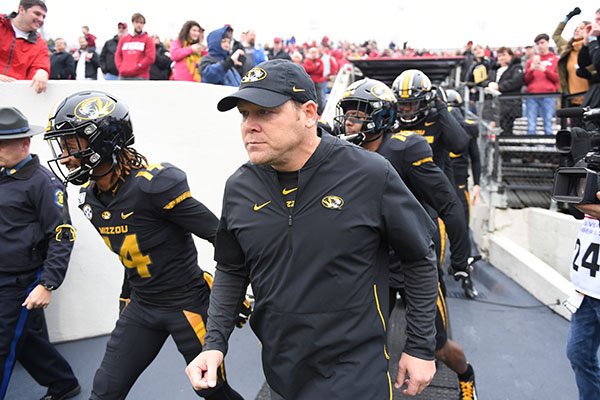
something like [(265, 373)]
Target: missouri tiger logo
[(94, 107), (254, 75), (332, 202), (383, 93)]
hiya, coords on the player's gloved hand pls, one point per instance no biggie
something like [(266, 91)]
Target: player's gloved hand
[(243, 312), (123, 302), (576, 11), (441, 100), (463, 274)]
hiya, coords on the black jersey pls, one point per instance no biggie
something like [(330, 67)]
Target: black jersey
[(443, 133), (147, 220), (413, 159), (460, 161)]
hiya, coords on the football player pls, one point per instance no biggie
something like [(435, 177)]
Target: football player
[(146, 215), (422, 109), (367, 114), (460, 162)]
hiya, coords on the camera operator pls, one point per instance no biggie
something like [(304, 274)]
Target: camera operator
[(577, 183), (584, 338), (588, 61)]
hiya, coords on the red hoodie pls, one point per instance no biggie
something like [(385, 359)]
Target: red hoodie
[(20, 58), (314, 68), (542, 81), (135, 55)]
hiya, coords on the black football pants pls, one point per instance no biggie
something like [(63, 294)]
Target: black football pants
[(136, 340)]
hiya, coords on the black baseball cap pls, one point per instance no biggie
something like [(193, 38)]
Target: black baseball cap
[(14, 125), (272, 83)]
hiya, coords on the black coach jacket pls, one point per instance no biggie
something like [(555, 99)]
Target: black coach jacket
[(314, 270)]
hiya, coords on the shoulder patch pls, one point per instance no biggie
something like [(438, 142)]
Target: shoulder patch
[(59, 197), (158, 178)]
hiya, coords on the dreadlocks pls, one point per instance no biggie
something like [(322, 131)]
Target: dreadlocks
[(128, 160)]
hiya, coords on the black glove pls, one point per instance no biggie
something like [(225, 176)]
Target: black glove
[(243, 312), (576, 11), (123, 302), (464, 274), (441, 100)]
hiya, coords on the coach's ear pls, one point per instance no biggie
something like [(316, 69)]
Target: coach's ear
[(311, 117)]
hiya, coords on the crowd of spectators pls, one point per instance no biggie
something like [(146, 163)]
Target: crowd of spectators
[(226, 56)]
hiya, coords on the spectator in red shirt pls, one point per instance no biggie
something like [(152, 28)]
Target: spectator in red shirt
[(313, 64), (23, 52), (135, 53), (541, 76)]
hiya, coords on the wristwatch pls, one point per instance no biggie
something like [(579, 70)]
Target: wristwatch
[(592, 38), (47, 285)]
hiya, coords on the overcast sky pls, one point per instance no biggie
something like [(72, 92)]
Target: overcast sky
[(431, 24)]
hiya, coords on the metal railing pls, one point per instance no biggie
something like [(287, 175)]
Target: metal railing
[(517, 167)]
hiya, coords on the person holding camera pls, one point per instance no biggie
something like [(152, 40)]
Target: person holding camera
[(218, 67), (568, 51), (584, 331), (588, 61)]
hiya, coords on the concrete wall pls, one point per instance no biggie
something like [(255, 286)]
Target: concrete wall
[(533, 246), (173, 121)]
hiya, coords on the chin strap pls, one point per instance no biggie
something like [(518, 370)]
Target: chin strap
[(372, 138), (65, 230), (108, 171)]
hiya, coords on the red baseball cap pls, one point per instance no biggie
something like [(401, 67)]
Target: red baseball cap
[(122, 25)]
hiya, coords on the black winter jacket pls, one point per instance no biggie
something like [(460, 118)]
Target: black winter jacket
[(314, 267)]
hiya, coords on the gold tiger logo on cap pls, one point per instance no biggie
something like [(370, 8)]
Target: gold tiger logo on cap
[(254, 75)]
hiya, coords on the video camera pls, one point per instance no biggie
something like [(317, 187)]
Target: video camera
[(578, 178)]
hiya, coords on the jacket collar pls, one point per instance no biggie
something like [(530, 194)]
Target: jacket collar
[(25, 168), (32, 36)]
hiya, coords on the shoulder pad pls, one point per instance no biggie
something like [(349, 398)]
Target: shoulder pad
[(419, 142), (158, 178), (402, 135)]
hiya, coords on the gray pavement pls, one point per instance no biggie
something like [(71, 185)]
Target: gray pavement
[(518, 353)]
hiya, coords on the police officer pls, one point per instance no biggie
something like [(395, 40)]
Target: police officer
[(367, 111), (35, 248), (146, 214), (305, 221)]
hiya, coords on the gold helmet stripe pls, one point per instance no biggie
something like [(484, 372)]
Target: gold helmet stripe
[(407, 84)]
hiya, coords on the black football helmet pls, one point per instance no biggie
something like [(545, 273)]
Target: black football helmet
[(454, 98), (415, 95), (373, 98), (98, 118)]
